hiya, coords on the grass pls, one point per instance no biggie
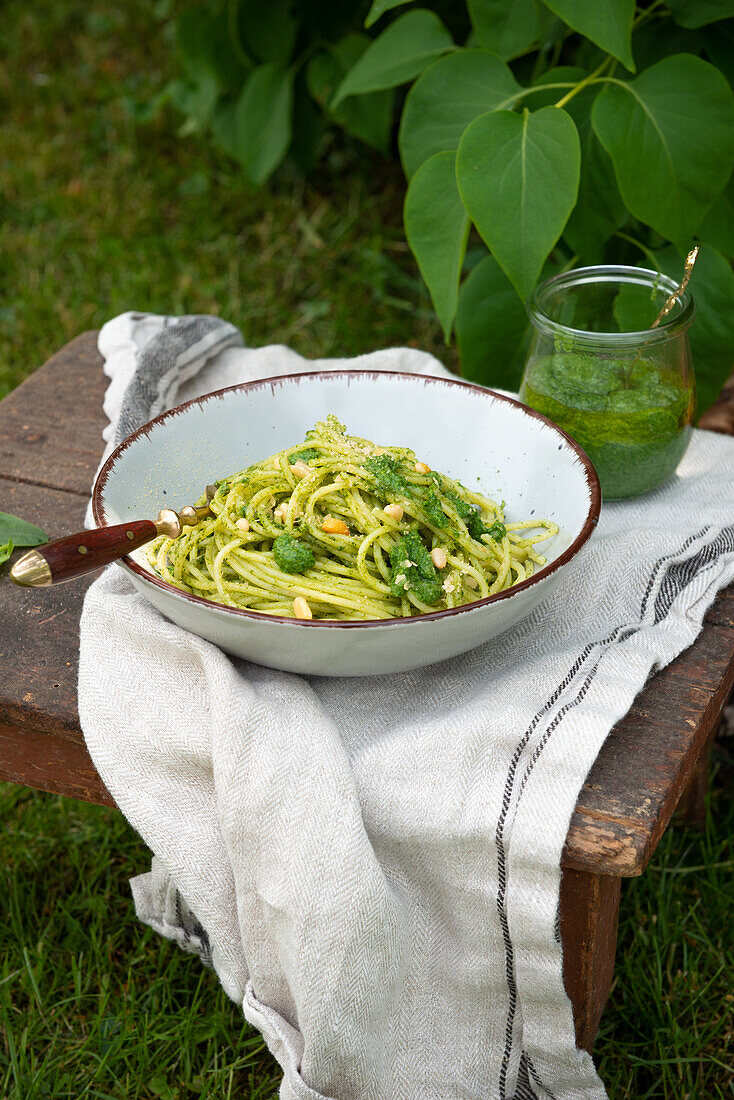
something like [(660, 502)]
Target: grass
[(99, 216), (91, 1003)]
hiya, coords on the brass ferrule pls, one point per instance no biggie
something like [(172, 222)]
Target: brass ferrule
[(32, 570)]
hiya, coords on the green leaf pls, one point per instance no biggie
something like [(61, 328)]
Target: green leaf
[(224, 126), (397, 55), (263, 121), (437, 226), (599, 211), (608, 23), (196, 101), (563, 74), (449, 95), (309, 127), (492, 328), (506, 29), (206, 50), (717, 228), (718, 43), (367, 117), (379, 7), (518, 176), (268, 30), (655, 40), (712, 332), (5, 551), (697, 13), (670, 134), (19, 531)]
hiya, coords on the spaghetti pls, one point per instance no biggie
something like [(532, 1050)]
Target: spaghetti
[(338, 528)]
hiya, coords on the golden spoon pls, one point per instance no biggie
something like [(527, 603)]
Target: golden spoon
[(673, 298)]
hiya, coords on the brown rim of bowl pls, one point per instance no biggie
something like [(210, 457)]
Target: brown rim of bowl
[(590, 522)]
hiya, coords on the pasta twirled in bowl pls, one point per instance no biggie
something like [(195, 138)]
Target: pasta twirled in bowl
[(338, 528)]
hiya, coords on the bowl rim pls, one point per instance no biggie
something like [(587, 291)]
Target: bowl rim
[(592, 516)]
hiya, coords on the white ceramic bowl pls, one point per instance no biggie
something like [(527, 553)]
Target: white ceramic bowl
[(486, 440)]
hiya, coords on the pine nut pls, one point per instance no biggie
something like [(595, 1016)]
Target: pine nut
[(243, 524), (421, 468), (301, 609), (394, 511), (438, 557), (334, 526), (275, 462), (471, 582), (300, 469), (380, 451), (281, 511)]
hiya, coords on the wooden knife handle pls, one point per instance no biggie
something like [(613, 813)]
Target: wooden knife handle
[(84, 552)]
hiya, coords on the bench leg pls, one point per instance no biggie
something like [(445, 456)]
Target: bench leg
[(589, 915)]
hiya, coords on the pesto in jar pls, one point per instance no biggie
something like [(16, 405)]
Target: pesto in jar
[(631, 417)]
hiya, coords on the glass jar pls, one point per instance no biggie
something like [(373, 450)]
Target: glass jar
[(625, 392)]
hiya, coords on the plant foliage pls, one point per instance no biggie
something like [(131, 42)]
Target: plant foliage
[(551, 133)]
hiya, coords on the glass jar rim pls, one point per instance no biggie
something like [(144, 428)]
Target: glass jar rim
[(677, 321)]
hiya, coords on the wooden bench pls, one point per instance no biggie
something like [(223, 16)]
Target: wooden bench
[(654, 760)]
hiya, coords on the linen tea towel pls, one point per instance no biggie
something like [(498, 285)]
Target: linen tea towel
[(372, 866)]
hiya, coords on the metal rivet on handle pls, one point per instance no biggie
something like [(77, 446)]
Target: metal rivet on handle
[(82, 549), (130, 534)]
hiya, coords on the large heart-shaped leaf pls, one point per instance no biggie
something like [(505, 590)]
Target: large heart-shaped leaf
[(491, 327), (263, 121), (437, 226), (670, 134), (717, 228), (599, 210), (697, 13), (368, 117), (379, 7), (449, 95), (608, 23), (518, 175), (505, 29), (401, 52), (712, 332)]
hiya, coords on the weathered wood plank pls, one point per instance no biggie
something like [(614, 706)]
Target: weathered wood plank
[(51, 425), (39, 628), (648, 759), (48, 762)]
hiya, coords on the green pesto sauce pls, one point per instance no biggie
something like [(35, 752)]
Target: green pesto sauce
[(412, 567), (291, 555), (632, 419)]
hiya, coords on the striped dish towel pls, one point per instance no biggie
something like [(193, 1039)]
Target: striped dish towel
[(372, 866)]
